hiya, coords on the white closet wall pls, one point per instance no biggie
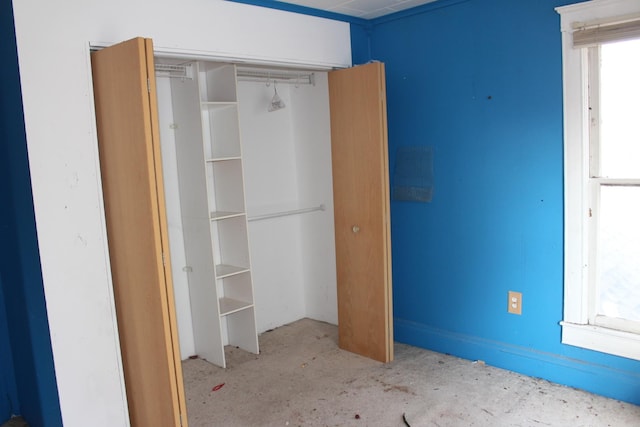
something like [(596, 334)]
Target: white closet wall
[(287, 167), (312, 130), (271, 186), (174, 218)]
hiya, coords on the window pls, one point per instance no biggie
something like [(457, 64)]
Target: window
[(601, 79), (614, 175)]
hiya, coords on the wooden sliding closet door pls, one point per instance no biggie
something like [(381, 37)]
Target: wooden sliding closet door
[(131, 168), (361, 204)]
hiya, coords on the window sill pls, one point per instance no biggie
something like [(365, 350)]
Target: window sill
[(611, 341)]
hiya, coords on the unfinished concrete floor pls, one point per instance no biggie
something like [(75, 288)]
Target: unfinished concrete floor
[(302, 378)]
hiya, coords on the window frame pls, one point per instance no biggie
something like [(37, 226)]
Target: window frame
[(578, 226)]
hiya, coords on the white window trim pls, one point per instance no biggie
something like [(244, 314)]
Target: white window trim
[(576, 329)]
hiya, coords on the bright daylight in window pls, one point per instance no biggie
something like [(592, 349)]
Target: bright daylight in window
[(615, 176), (601, 103)]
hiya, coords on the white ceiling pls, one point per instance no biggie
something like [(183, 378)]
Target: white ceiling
[(366, 9)]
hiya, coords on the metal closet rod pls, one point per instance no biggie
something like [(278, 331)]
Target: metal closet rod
[(279, 76), (184, 71), (286, 213), (178, 71)]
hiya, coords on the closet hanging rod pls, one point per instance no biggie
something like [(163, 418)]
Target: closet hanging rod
[(281, 76), (286, 213), (177, 71)]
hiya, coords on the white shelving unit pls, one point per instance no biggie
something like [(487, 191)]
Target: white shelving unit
[(213, 207)]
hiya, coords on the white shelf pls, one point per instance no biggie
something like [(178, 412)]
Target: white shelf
[(226, 270), (223, 159), (214, 212), (217, 82), (216, 216), (221, 129), (218, 105), (225, 183), (229, 306)]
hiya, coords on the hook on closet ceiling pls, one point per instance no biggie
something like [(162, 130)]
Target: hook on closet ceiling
[(276, 102)]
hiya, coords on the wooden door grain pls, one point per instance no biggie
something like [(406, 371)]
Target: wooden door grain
[(131, 170), (361, 204)]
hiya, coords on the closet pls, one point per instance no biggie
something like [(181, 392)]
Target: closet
[(277, 235), (247, 210)]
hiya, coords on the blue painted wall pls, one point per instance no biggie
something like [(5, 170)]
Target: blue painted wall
[(480, 81), (24, 330), (360, 43), (8, 393)]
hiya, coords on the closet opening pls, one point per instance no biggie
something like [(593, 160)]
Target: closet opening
[(261, 213), (268, 253)]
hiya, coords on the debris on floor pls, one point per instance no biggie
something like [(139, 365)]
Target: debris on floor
[(15, 422), (218, 387), (335, 386)]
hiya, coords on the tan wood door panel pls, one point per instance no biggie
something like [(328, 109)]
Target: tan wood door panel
[(361, 204), (131, 169)]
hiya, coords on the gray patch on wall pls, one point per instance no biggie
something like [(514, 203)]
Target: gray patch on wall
[(413, 174)]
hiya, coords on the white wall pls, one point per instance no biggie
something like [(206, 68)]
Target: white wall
[(311, 126), (271, 186), (174, 218), (287, 163), (53, 52)]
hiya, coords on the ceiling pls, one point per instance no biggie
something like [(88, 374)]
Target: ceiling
[(366, 9)]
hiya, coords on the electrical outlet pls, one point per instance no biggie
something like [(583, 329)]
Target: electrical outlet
[(515, 302)]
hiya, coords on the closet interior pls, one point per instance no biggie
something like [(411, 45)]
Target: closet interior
[(248, 188)]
